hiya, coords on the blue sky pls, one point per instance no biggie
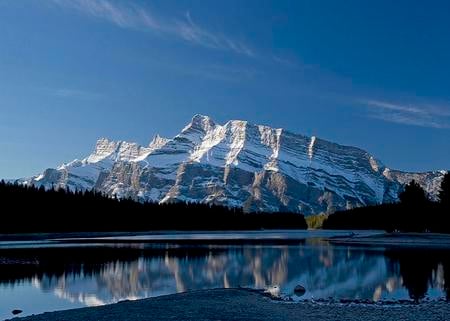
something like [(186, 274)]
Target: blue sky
[(373, 74)]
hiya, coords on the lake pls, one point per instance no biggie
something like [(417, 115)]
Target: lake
[(39, 276)]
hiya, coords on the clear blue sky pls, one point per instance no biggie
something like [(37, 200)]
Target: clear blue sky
[(373, 74)]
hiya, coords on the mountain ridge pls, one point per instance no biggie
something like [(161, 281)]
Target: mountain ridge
[(256, 167)]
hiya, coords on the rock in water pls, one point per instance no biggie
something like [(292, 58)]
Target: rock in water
[(16, 311), (299, 290), (273, 290)]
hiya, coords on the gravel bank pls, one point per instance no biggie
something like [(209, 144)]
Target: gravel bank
[(239, 304)]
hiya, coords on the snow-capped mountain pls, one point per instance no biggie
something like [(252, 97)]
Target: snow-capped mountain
[(238, 164)]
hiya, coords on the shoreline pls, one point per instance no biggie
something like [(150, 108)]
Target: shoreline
[(397, 240), (244, 304), (370, 238), (177, 235)]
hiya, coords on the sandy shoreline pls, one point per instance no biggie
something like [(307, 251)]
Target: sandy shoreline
[(241, 304)]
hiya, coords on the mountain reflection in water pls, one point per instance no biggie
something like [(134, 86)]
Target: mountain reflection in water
[(106, 274)]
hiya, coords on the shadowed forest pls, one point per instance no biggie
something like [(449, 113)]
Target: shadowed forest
[(32, 209), (414, 213)]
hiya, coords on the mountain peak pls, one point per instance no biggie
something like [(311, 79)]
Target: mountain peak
[(158, 142), (102, 141), (238, 164), (200, 117), (104, 147), (200, 122)]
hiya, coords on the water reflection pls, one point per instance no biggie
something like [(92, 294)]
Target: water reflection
[(422, 270), (99, 275)]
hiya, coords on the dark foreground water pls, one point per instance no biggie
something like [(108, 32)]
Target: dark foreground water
[(46, 277)]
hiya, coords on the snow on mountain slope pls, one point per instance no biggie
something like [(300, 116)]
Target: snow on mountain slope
[(238, 164)]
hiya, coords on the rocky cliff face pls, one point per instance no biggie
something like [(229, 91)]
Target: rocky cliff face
[(238, 164)]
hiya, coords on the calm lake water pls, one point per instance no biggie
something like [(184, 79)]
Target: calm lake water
[(47, 276)]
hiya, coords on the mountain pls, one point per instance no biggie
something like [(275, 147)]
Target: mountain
[(238, 164)]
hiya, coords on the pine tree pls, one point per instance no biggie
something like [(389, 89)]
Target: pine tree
[(413, 195), (414, 206), (444, 193)]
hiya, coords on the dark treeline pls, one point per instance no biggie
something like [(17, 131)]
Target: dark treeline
[(415, 213), (31, 209)]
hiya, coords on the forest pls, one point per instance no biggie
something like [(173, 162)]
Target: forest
[(26, 209), (415, 212)]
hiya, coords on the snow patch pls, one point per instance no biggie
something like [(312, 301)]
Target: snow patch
[(311, 147)]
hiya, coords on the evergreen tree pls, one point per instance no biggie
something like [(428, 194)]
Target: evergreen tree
[(413, 214), (444, 193), (413, 195)]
